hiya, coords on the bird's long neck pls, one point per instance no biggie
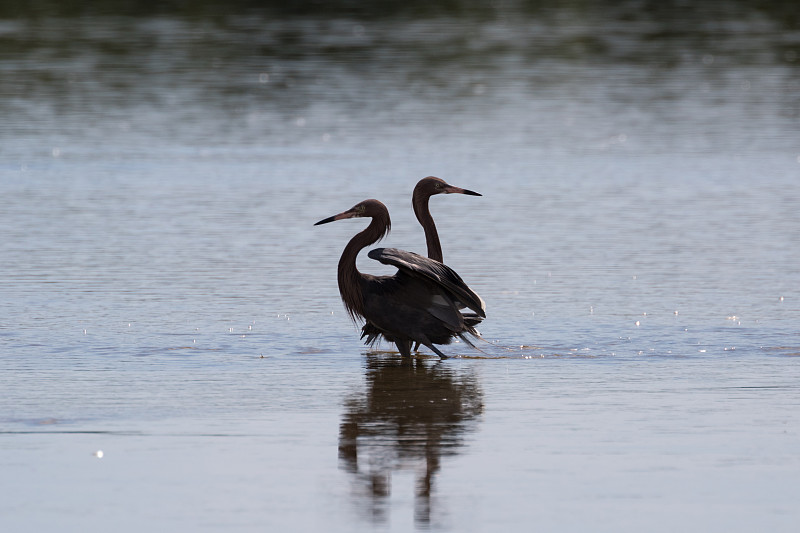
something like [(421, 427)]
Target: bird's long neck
[(350, 279), (423, 213)]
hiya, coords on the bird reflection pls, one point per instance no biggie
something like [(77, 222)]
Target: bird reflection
[(411, 415)]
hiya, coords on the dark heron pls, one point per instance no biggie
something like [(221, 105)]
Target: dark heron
[(425, 188), (424, 302)]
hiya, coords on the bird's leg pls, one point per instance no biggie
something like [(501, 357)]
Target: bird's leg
[(416, 347), (433, 348), (436, 351), (404, 347)]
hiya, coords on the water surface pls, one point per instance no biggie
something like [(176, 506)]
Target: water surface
[(166, 299)]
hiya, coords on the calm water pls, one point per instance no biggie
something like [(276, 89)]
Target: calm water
[(166, 300)]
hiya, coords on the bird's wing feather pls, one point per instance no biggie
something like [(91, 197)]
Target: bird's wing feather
[(443, 308), (439, 273)]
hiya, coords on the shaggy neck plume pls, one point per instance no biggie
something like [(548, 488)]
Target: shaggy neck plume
[(350, 279)]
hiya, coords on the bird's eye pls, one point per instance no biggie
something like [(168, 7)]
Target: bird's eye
[(438, 185)]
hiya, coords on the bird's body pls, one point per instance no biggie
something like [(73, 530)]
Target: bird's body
[(424, 302)]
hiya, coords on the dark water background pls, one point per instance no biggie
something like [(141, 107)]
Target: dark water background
[(165, 298)]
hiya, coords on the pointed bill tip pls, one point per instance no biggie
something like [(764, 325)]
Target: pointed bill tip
[(326, 220), (458, 190)]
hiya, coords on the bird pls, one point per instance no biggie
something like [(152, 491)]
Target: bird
[(425, 188), (424, 302)]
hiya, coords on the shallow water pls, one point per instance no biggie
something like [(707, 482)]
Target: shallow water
[(166, 299)]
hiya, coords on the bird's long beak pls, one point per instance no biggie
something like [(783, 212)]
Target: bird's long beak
[(345, 214), (458, 190)]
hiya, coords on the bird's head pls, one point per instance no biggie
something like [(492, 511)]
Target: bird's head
[(432, 185), (368, 208)]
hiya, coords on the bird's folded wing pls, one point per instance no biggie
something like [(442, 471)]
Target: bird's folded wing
[(439, 273)]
